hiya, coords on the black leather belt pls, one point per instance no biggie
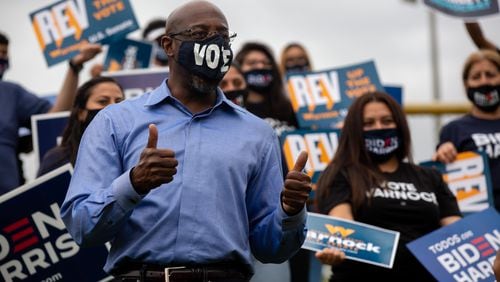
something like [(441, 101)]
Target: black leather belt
[(185, 273)]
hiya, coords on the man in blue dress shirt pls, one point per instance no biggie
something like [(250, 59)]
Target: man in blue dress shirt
[(182, 177)]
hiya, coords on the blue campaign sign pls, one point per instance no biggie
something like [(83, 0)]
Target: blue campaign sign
[(63, 26), (320, 145), (359, 241), (128, 54), (34, 242), (46, 130), (396, 92), (321, 99), (139, 81), (469, 180), (462, 251), (464, 9)]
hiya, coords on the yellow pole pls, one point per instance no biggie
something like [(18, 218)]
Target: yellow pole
[(436, 108)]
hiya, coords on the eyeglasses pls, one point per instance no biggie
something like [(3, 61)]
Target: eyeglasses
[(201, 34)]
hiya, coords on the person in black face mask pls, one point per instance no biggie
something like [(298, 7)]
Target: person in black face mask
[(186, 184), (373, 180), (91, 97), (266, 98), (234, 86), (480, 129), (294, 59)]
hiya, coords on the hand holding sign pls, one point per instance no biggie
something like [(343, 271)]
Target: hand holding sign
[(87, 52), (330, 256), (446, 153), (155, 167), (297, 187)]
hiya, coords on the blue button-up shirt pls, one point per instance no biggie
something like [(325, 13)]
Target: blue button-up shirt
[(223, 203)]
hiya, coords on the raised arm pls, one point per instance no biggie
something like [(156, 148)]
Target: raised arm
[(476, 34), (66, 96)]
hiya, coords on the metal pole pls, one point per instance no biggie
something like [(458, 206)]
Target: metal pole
[(435, 78)]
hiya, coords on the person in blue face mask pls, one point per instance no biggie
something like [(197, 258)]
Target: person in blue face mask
[(480, 129), (93, 96), (184, 183), (373, 180)]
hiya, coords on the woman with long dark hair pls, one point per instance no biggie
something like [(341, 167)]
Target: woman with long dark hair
[(266, 98), (91, 97), (373, 180)]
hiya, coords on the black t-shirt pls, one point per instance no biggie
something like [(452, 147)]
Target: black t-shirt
[(413, 202), (469, 133)]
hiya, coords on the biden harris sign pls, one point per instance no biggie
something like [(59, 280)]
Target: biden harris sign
[(34, 243)]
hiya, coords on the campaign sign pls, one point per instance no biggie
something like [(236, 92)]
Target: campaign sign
[(140, 81), (464, 9), (47, 130), (34, 242), (469, 179), (319, 144), (462, 251), (62, 27), (359, 241), (321, 99), (395, 92), (128, 54)]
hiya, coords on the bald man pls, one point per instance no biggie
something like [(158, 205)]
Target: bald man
[(182, 182)]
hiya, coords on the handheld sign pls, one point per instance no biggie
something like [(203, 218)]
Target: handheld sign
[(47, 130), (128, 54), (464, 9), (468, 178), (359, 241), (319, 144), (138, 81), (63, 26), (34, 242), (321, 99), (462, 251)]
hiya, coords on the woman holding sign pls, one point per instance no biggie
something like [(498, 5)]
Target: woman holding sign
[(91, 97), (369, 181), (480, 129)]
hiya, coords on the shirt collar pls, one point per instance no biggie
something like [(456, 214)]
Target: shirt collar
[(162, 93)]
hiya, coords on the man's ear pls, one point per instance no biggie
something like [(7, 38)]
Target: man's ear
[(167, 45)]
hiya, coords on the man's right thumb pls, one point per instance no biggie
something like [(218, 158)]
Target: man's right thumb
[(153, 136)]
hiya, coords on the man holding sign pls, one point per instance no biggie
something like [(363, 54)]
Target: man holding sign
[(174, 180)]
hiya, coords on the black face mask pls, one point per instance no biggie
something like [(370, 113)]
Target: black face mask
[(90, 116), (237, 96), (209, 59), (297, 68), (4, 65), (259, 80), (485, 97), (381, 144)]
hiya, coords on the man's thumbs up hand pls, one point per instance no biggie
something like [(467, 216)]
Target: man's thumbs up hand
[(297, 187), (155, 167)]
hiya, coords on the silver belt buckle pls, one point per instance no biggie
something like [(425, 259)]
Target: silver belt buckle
[(167, 272)]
